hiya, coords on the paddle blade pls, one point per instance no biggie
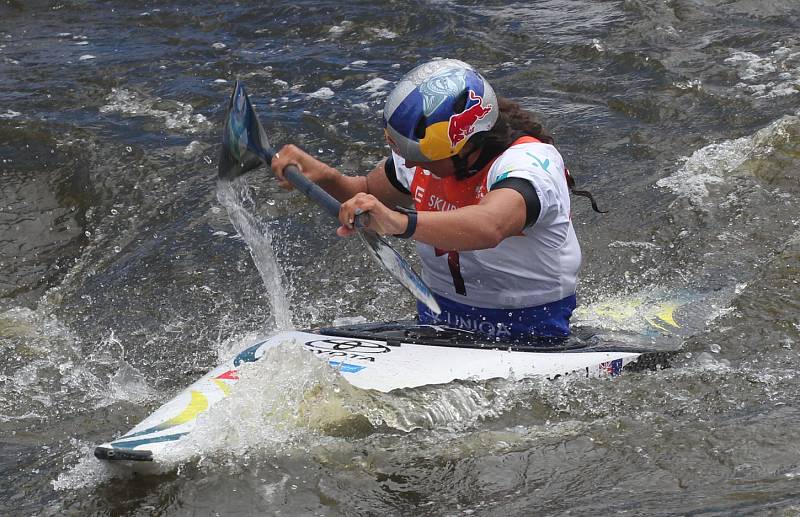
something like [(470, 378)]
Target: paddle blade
[(244, 143), (399, 268)]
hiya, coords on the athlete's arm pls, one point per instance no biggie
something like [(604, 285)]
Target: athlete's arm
[(338, 185), (334, 182), (501, 214), (382, 183)]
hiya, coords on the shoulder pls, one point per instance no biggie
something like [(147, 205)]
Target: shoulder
[(533, 161)]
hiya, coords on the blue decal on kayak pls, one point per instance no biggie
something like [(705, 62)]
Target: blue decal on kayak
[(198, 403), (247, 355), (346, 367), (132, 444)]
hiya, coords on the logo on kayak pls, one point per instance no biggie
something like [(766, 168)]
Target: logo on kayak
[(348, 345), (352, 349)]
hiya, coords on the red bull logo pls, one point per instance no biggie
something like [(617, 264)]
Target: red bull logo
[(462, 124)]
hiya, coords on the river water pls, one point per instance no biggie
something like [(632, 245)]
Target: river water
[(123, 279)]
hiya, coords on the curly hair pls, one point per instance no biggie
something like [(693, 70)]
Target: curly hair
[(512, 123)]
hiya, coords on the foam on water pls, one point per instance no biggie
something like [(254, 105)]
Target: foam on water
[(455, 407), (278, 402), (376, 87), (128, 384), (715, 163), (774, 75), (87, 471), (338, 30), (384, 33), (176, 115), (39, 354), (50, 369), (322, 93)]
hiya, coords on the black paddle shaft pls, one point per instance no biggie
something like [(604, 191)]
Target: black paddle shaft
[(318, 195), (311, 190)]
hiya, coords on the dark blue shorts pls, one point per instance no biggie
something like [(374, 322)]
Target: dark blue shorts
[(549, 320)]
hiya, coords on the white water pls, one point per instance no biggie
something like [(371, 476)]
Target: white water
[(717, 163), (234, 196), (176, 115)]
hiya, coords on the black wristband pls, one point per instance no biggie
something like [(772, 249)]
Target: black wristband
[(412, 222)]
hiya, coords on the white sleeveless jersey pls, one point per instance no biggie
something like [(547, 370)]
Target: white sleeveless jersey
[(534, 268)]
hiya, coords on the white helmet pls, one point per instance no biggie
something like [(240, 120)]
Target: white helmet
[(436, 108)]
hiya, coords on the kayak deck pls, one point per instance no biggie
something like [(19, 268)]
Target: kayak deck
[(391, 356), (582, 339)]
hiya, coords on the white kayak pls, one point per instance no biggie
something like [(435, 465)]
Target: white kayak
[(387, 357)]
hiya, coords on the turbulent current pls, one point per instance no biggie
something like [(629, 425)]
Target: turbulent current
[(126, 272)]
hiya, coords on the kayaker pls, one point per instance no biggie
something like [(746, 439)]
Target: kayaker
[(475, 180)]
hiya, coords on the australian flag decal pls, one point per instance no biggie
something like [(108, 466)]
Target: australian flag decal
[(611, 367)]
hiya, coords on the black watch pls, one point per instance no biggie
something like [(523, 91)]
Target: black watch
[(412, 222)]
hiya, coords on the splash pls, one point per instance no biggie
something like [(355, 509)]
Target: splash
[(291, 401), (87, 471), (234, 196), (668, 314), (747, 156), (281, 402)]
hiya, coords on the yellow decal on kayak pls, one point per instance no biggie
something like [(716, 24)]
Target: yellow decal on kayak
[(618, 310), (197, 405), (226, 390), (666, 315)]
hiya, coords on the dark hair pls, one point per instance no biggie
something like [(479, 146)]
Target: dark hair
[(515, 121), (512, 123)]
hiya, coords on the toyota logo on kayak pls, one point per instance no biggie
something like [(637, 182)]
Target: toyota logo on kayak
[(348, 345)]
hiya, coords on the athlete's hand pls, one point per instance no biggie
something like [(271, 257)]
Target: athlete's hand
[(309, 166), (382, 219)]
